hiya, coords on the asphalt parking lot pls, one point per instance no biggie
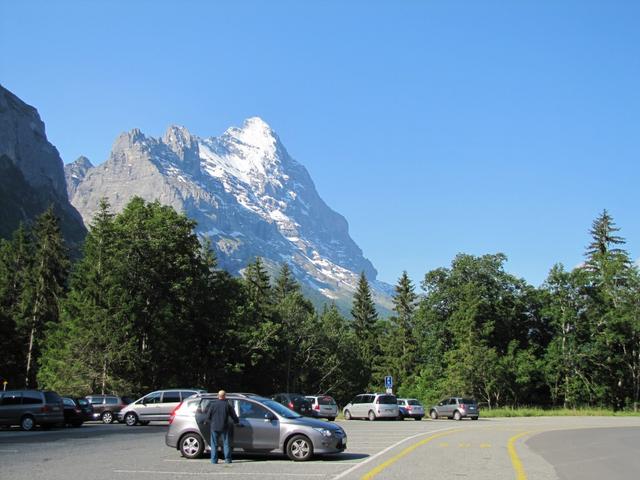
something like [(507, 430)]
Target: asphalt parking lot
[(489, 448)]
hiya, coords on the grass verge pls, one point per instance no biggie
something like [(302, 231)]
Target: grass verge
[(554, 412)]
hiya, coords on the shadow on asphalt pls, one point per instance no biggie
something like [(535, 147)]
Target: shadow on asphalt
[(16, 436)]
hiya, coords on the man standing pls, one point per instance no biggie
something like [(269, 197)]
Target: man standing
[(218, 417)]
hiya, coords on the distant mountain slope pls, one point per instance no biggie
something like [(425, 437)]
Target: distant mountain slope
[(31, 172), (248, 195)]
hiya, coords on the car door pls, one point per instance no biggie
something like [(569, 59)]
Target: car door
[(442, 407), (170, 400), (148, 408), (11, 408), (259, 428), (356, 407), (201, 415)]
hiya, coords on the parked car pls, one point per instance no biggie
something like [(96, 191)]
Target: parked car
[(156, 405), (106, 407), (29, 408), (86, 409), (323, 406), (372, 406), (294, 401), (72, 412), (265, 426), (410, 408), (456, 408)]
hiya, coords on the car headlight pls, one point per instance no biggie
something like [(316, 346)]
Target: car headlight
[(325, 432)]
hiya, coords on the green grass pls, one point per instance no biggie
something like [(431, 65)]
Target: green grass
[(553, 412)]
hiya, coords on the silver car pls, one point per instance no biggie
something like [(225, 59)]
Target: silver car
[(265, 426), (323, 406), (456, 408), (410, 408), (154, 406), (372, 406)]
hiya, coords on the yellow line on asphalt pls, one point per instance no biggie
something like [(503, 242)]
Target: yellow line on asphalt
[(372, 473), (515, 460)]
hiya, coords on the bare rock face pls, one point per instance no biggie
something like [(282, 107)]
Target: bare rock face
[(32, 172), (248, 195)]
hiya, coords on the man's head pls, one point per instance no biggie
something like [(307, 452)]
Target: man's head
[(222, 395)]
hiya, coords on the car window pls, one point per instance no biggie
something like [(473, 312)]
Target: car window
[(153, 398), (468, 400), (186, 394), (326, 400), (444, 401), (68, 402), (387, 400), (31, 398), (11, 399), (82, 402), (111, 400), (453, 401), (52, 397), (96, 400), (248, 409), (171, 397), (414, 402)]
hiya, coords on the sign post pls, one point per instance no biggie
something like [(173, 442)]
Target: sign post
[(388, 383)]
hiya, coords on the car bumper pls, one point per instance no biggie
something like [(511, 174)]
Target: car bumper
[(332, 444)]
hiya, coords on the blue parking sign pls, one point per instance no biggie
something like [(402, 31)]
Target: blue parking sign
[(388, 381)]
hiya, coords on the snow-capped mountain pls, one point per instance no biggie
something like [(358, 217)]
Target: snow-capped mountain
[(248, 195)]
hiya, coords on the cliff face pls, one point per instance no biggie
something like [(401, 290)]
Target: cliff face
[(32, 173)]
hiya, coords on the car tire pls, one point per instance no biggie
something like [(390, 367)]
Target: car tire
[(299, 448), (27, 423), (371, 416), (474, 418), (107, 417), (457, 416), (347, 415), (131, 419), (191, 446), (433, 414), (331, 419)]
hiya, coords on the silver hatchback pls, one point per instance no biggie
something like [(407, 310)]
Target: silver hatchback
[(265, 426)]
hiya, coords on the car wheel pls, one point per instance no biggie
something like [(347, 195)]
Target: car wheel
[(299, 448), (347, 415), (433, 414), (372, 416), (130, 419), (27, 423), (191, 446), (331, 419), (474, 418), (107, 417), (457, 416)]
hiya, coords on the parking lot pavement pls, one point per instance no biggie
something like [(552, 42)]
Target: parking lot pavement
[(384, 450)]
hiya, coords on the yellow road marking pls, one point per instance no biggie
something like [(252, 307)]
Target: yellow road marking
[(485, 445), (515, 460), (444, 445), (372, 473)]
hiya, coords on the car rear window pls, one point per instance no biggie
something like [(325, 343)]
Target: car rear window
[(96, 400), (11, 399), (68, 402), (387, 400), (414, 402), (468, 400), (111, 400), (52, 397), (326, 400)]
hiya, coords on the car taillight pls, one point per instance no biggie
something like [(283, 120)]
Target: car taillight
[(78, 410), (44, 409), (291, 405), (409, 407), (463, 406), (316, 407), (173, 413)]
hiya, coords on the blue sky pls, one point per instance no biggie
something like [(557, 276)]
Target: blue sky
[(434, 127)]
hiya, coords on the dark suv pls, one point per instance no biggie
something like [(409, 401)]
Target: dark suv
[(29, 408), (106, 407), (296, 402)]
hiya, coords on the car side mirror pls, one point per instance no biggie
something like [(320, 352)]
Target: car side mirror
[(269, 417), (143, 401)]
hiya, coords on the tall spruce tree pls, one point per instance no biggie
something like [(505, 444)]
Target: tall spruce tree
[(400, 341), (365, 317), (44, 288), (285, 284)]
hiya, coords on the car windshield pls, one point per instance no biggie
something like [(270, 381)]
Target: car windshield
[(281, 409), (387, 400)]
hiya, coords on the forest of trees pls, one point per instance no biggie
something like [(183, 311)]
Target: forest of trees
[(146, 307)]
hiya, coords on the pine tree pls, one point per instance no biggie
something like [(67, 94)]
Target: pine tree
[(45, 287), (285, 284), (364, 322), (400, 342)]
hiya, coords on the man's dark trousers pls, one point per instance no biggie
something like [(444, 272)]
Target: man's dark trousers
[(226, 446)]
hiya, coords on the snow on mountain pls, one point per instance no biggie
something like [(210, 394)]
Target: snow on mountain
[(248, 195)]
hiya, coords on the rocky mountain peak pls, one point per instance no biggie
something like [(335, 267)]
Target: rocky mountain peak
[(185, 146)]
